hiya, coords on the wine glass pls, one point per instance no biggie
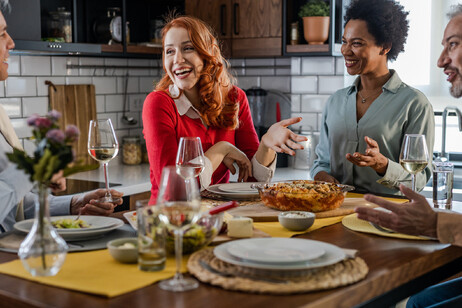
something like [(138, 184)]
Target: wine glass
[(190, 156), (179, 204), (103, 146), (414, 155)]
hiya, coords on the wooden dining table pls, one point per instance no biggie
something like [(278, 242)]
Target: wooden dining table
[(397, 269)]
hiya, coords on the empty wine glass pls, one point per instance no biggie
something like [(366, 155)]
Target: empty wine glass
[(103, 146), (190, 156), (179, 204), (414, 155)]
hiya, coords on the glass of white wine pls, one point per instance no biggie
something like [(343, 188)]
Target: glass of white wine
[(190, 156), (179, 207), (103, 146), (414, 155)]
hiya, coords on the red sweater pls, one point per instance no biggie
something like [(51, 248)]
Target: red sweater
[(163, 128)]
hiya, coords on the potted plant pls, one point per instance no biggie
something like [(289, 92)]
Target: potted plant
[(315, 15)]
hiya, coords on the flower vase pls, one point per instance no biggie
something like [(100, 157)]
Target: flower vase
[(43, 251)]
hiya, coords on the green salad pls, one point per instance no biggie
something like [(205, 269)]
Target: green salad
[(194, 238), (68, 223)]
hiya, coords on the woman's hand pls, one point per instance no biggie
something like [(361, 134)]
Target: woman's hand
[(281, 139), (325, 177), (87, 204), (371, 158), (237, 156)]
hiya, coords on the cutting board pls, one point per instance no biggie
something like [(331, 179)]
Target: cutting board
[(261, 213), (78, 107)]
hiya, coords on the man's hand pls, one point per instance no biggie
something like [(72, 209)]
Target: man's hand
[(416, 217), (371, 158), (325, 177), (58, 182), (87, 204)]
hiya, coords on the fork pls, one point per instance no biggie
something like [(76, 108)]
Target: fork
[(381, 228)]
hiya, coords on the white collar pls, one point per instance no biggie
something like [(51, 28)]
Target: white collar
[(183, 104)]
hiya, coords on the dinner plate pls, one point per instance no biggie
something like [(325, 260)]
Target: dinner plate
[(332, 255), (268, 250), (99, 225), (232, 195), (238, 188)]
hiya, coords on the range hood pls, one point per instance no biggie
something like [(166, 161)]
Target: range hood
[(53, 48)]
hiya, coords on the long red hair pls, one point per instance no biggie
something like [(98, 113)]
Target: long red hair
[(218, 107)]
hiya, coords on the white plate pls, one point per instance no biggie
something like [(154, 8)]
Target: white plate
[(232, 195), (99, 226), (238, 188), (132, 219), (287, 250), (332, 255)]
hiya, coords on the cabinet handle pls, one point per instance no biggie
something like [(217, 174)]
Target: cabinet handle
[(222, 19), (236, 18)]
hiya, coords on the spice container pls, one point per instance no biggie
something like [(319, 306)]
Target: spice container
[(60, 25), (294, 33), (131, 150)]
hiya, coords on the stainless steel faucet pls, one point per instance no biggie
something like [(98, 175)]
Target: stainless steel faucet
[(443, 127)]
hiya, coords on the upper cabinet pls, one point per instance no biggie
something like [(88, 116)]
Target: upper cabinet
[(246, 28)]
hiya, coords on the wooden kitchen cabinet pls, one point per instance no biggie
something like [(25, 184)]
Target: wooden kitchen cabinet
[(246, 28)]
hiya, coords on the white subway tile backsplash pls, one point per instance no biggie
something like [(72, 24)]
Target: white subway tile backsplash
[(140, 63), (32, 105), (248, 82), (42, 88), (93, 71), (283, 71), (136, 102), (2, 88), (21, 128), (114, 103), (136, 132), (112, 116), (339, 66), (268, 71), (304, 84), (116, 61), (21, 86), (100, 102), (35, 66), (237, 62), (14, 65), (104, 85), (276, 83), (147, 84), (12, 106), (59, 66), (318, 65), (133, 85), (135, 115), (313, 103), (259, 62), (295, 102), (156, 63), (308, 119), (79, 80), (283, 61), (330, 84), (295, 64)]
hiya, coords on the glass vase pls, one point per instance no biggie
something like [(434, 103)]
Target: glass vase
[(43, 251)]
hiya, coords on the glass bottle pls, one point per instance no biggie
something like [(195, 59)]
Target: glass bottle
[(60, 25), (294, 35), (131, 150)]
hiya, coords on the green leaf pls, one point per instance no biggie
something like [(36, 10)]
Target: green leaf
[(79, 168)]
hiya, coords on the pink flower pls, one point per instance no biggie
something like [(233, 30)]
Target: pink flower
[(42, 123), (72, 132), (55, 135), (32, 119), (54, 115)]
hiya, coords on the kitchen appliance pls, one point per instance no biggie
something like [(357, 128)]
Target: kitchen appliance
[(108, 29), (304, 159)]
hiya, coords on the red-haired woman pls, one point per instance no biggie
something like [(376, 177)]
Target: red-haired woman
[(196, 97)]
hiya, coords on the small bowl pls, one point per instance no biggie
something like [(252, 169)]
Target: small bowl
[(296, 220), (124, 254)]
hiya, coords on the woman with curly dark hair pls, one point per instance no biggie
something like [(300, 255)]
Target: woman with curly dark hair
[(196, 98), (364, 124)]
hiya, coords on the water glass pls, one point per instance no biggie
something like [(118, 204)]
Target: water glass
[(443, 178), (151, 238)]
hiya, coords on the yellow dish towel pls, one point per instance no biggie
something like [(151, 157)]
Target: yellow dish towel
[(96, 272), (276, 230), (352, 222)]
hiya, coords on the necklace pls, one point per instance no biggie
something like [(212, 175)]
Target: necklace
[(363, 99)]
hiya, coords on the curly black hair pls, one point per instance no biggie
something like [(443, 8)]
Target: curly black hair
[(386, 20)]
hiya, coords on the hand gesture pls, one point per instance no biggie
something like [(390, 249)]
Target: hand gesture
[(415, 218), (237, 156), (371, 158), (281, 139), (325, 177), (58, 182), (87, 204)]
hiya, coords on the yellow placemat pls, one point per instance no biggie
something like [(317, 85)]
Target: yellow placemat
[(352, 222), (356, 195), (276, 230), (96, 272)]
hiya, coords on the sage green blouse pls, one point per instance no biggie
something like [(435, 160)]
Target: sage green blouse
[(399, 110)]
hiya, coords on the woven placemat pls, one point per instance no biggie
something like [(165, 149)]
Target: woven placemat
[(207, 268)]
